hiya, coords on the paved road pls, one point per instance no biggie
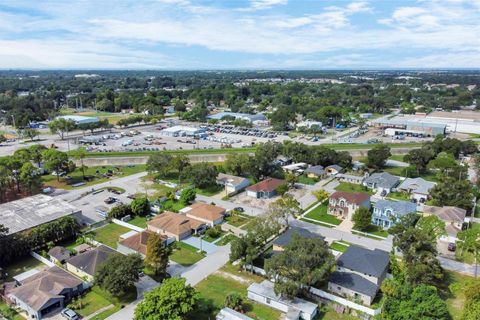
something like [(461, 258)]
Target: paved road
[(460, 267), (198, 243)]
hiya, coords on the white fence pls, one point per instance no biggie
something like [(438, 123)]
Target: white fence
[(345, 302), (127, 225), (42, 259)]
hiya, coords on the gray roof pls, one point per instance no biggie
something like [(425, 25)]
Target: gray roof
[(265, 289), (90, 261), (315, 170), (416, 185), (230, 179), (383, 180), (250, 117), (26, 213), (335, 166), (230, 314), (371, 262), (59, 253), (285, 237), (398, 207), (354, 282), (447, 214)]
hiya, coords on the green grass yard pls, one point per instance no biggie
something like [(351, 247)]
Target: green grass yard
[(374, 230), (306, 180), (339, 246), (454, 294), (320, 214), (316, 222), (139, 221), (215, 288), (185, 254), (8, 312), (236, 220), (226, 239), (351, 187), (399, 196), (25, 264), (92, 302), (109, 234)]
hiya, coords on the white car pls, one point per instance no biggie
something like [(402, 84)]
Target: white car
[(69, 314)]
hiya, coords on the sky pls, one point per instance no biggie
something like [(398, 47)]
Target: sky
[(239, 34)]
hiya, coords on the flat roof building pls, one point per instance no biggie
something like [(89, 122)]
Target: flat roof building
[(182, 131), (27, 213), (411, 126), (79, 120), (241, 116)]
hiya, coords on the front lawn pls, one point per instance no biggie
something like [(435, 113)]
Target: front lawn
[(236, 220), (172, 205), (96, 178), (375, 230), (210, 191), (215, 288), (399, 196), (351, 187), (337, 246), (109, 234), (226, 239), (306, 180), (185, 254), (92, 302), (25, 264), (320, 214), (317, 223)]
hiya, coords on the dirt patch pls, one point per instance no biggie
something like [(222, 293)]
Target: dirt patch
[(234, 277)]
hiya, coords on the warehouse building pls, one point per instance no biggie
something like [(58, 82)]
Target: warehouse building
[(27, 213), (79, 120), (410, 127), (184, 131), (242, 116)]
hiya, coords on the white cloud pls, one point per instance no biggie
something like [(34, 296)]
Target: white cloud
[(263, 5)]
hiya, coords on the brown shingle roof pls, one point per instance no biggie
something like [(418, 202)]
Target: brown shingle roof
[(38, 289), (174, 223), (267, 185), (206, 211), (138, 242), (448, 214), (59, 253), (352, 197), (90, 261)]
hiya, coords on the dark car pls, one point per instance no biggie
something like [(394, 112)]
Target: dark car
[(452, 246), (239, 209), (110, 200)]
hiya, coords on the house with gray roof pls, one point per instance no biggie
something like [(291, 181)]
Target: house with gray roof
[(417, 188), (387, 212), (382, 182), (284, 239), (86, 264), (233, 184), (334, 169), (315, 172), (359, 274)]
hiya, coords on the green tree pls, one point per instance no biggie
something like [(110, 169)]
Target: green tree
[(30, 180), (61, 126), (202, 174), (450, 191), (291, 179), (321, 195), (80, 154), (470, 242), (284, 208), (159, 163), (432, 226), (173, 300), (234, 301), (378, 155), (471, 309), (157, 255), (362, 219), (237, 164), (419, 158), (120, 211), (303, 263), (140, 206), (187, 196), (55, 160), (445, 164), (180, 163), (36, 153), (29, 133), (119, 273)]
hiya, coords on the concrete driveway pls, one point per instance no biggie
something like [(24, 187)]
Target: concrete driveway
[(200, 244), (144, 285)]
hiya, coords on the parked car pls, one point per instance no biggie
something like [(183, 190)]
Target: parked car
[(69, 314), (110, 200), (452, 246), (239, 209)]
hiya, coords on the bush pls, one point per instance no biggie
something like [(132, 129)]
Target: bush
[(234, 301), (120, 211), (140, 207), (214, 232)]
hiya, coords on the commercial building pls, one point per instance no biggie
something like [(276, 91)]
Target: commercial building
[(79, 120), (241, 116), (184, 131), (411, 127), (27, 213)]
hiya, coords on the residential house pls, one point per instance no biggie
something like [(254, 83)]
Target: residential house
[(59, 254), (296, 168), (232, 184), (453, 217), (349, 178), (316, 172), (295, 308), (137, 243), (334, 169), (265, 189), (282, 160), (175, 225), (387, 212), (230, 314), (45, 291), (284, 239), (418, 188), (86, 264), (344, 204), (207, 213), (382, 182), (359, 274)]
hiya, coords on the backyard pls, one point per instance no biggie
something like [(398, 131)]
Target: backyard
[(139, 221), (185, 254), (320, 214), (350, 187), (25, 264), (95, 178), (109, 234)]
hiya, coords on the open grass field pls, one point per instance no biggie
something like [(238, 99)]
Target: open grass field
[(185, 254), (320, 214), (216, 287), (109, 234), (351, 187), (77, 176)]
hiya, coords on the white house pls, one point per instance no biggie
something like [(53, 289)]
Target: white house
[(232, 184)]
